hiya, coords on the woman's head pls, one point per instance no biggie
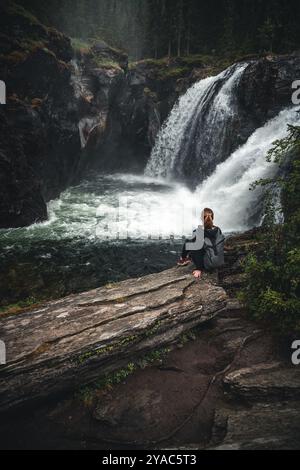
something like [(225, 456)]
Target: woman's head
[(208, 218)]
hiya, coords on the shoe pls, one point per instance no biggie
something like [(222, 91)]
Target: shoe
[(184, 262)]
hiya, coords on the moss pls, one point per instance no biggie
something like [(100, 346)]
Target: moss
[(113, 50), (153, 357), (22, 306), (175, 68), (120, 300), (156, 357), (111, 285), (105, 63), (117, 51), (108, 58), (117, 346), (127, 340), (80, 45), (89, 355), (88, 393), (104, 350), (150, 62), (187, 338), (153, 330), (176, 72)]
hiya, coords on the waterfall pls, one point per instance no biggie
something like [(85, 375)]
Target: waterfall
[(200, 130), (198, 145), (227, 190)]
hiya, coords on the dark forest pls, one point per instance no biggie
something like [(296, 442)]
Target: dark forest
[(157, 28)]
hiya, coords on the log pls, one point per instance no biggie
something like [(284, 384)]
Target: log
[(62, 345)]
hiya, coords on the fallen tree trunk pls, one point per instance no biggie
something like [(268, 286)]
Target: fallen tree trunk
[(74, 341)]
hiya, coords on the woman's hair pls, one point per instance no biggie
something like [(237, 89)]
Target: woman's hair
[(208, 218)]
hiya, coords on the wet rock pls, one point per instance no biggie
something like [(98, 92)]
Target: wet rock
[(263, 426), (262, 410), (76, 340), (234, 281), (271, 381), (39, 139), (265, 88)]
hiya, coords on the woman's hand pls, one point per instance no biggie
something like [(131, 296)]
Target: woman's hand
[(197, 274)]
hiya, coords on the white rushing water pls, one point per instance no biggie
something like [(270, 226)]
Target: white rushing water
[(171, 135), (227, 190), (197, 126), (115, 207)]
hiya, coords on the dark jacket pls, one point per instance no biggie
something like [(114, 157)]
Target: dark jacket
[(198, 256)]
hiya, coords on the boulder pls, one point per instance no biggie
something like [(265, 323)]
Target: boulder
[(266, 86), (271, 381), (262, 410), (264, 426), (74, 341)]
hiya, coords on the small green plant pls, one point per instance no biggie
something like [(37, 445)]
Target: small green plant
[(87, 394), (106, 63), (104, 350), (19, 306)]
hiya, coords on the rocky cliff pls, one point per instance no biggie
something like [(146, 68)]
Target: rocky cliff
[(39, 140)]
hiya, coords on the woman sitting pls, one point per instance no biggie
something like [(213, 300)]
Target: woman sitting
[(197, 256)]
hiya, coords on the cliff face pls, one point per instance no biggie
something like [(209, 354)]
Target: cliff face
[(266, 86), (148, 90), (123, 107), (39, 141), (266, 89)]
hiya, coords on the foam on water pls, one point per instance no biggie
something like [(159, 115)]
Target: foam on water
[(227, 190)]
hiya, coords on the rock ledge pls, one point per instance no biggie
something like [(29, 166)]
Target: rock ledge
[(67, 343)]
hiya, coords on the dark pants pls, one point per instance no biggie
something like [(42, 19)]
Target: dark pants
[(196, 255)]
